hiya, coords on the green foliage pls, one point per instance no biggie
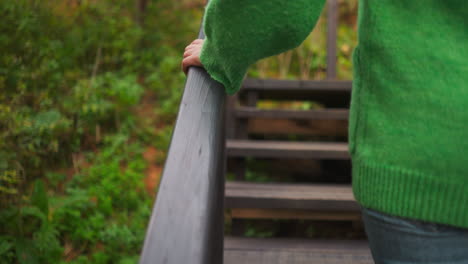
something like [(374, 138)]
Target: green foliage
[(72, 77), (104, 207), (255, 229), (257, 176), (39, 197), (166, 82), (28, 235), (51, 89)]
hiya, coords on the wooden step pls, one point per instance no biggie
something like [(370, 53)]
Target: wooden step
[(284, 149), (328, 92), (296, 85), (318, 114), (294, 251), (314, 197), (296, 214), (329, 128)]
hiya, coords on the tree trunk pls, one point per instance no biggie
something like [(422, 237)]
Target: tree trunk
[(140, 6)]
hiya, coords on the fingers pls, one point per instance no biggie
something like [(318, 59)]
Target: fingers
[(196, 42), (193, 46), (190, 50), (192, 55), (190, 61), (185, 65)]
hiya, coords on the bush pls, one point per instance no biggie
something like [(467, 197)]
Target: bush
[(72, 77)]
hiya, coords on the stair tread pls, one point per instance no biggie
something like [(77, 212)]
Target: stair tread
[(290, 191), (272, 84), (334, 113), (294, 251), (325, 197), (328, 92), (272, 149)]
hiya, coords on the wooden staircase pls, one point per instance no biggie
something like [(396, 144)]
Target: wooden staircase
[(308, 174), (322, 193)]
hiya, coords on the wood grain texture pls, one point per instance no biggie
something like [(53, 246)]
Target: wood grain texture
[(284, 149), (328, 128), (296, 85), (248, 213), (318, 114), (230, 117), (285, 251), (329, 92), (319, 197)]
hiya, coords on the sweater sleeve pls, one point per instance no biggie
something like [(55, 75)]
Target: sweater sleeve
[(241, 32)]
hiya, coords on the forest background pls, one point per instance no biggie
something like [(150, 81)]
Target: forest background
[(89, 92)]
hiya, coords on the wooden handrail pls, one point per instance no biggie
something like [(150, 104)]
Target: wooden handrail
[(186, 224)]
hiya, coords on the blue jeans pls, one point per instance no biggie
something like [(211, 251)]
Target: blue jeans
[(394, 240)]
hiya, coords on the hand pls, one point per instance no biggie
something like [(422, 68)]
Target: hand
[(192, 55)]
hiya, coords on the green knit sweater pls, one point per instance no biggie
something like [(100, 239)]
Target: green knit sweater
[(408, 130)]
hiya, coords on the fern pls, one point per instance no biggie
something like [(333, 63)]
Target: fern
[(6, 250)]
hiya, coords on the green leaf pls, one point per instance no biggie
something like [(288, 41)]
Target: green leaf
[(39, 197), (34, 212), (47, 119), (5, 247), (25, 252)]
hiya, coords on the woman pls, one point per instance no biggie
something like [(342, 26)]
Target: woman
[(408, 130)]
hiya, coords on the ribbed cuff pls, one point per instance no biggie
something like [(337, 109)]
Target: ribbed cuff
[(410, 194)]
